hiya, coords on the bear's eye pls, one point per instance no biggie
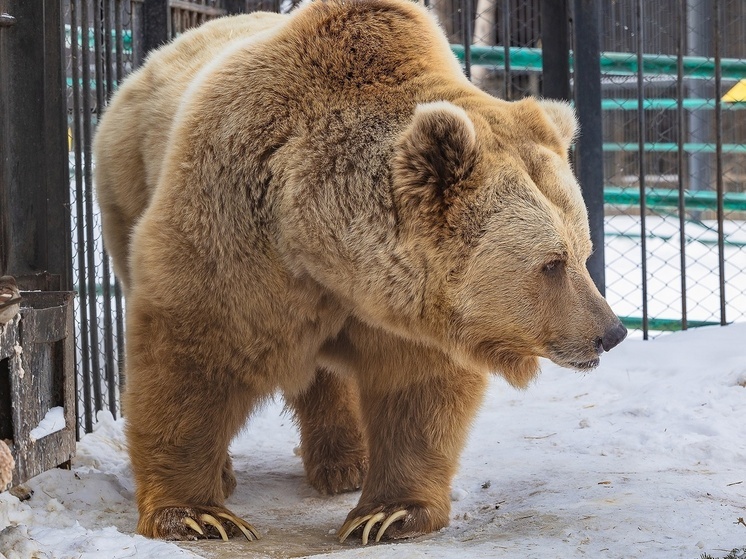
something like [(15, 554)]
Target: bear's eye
[(553, 266)]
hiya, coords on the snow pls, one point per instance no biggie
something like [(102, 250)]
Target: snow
[(54, 420), (643, 457)]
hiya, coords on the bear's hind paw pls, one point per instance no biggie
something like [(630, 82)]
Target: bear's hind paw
[(370, 521)]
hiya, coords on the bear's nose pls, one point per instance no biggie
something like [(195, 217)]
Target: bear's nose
[(611, 338)]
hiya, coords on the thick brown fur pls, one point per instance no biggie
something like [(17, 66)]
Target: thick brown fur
[(330, 209)]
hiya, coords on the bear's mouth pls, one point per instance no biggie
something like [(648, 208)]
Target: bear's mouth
[(585, 365), (573, 359)]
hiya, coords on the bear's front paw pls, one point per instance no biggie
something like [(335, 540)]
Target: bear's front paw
[(191, 523), (393, 521)]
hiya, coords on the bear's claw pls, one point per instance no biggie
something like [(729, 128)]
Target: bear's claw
[(193, 525), (370, 520), (212, 521), (247, 529)]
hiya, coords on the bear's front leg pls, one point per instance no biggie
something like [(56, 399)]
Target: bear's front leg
[(180, 422), (416, 417), (332, 446)]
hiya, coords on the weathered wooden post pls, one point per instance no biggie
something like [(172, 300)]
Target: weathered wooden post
[(37, 363)]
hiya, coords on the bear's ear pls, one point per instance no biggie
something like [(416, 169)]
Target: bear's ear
[(562, 116), (434, 157)]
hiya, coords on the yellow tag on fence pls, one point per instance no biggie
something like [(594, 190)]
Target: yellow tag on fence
[(736, 94)]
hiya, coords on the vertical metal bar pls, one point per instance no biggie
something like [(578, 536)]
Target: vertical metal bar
[(681, 162), (641, 150), (467, 37), (555, 50), (88, 202), (117, 287), (233, 7), (508, 92), (102, 34), (157, 24), (589, 153), (80, 212), (108, 48), (719, 155), (119, 42), (120, 332)]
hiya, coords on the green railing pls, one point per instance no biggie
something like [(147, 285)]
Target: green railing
[(612, 63), (671, 147), (126, 38), (664, 324), (659, 198), (667, 104)]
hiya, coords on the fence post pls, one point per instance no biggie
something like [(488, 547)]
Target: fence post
[(233, 7), (33, 165), (555, 50), (588, 148), (157, 24)]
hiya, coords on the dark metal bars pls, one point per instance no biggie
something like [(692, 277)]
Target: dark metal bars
[(719, 154), (589, 152), (641, 154), (508, 92), (681, 122)]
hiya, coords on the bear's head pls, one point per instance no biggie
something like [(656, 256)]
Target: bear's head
[(485, 190)]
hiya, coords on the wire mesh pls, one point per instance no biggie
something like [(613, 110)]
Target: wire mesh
[(99, 53), (103, 42), (675, 251)]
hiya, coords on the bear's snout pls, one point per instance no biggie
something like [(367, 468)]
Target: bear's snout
[(611, 338)]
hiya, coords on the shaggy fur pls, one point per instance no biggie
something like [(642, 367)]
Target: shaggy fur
[(322, 204)]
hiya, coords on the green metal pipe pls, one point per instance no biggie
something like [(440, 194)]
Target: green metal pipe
[(690, 147), (664, 198), (663, 324), (612, 63), (666, 104)]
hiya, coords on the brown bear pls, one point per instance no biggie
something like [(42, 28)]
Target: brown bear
[(323, 205)]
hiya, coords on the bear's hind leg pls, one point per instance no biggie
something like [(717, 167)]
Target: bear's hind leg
[(332, 444), (179, 425)]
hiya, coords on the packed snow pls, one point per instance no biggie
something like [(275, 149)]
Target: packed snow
[(53, 421), (643, 457)]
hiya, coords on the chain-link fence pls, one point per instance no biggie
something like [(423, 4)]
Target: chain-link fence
[(99, 53), (674, 144), (675, 162), (674, 141)]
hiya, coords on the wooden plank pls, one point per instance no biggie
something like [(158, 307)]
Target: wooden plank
[(192, 7), (36, 379)]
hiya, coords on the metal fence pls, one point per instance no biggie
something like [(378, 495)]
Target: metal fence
[(104, 41), (669, 198), (99, 53), (675, 162)]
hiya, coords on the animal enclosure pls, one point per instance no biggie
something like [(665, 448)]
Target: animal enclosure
[(661, 159)]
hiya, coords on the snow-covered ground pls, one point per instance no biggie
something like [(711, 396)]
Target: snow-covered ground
[(643, 457)]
